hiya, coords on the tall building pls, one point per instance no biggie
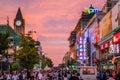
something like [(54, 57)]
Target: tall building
[(109, 5), (87, 14), (19, 23)]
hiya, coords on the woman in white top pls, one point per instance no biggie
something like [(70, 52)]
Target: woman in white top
[(8, 76), (15, 76)]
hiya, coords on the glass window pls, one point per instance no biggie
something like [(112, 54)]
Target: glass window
[(88, 71)]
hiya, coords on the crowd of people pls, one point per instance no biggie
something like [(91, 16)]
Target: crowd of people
[(40, 75), (108, 75), (55, 75)]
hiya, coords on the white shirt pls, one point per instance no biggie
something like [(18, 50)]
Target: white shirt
[(39, 76), (8, 76), (110, 79), (24, 76), (15, 77)]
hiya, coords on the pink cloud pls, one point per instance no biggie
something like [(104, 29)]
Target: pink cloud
[(53, 20)]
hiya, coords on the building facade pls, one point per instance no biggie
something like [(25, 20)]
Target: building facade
[(100, 31)]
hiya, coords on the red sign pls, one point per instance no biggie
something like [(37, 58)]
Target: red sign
[(106, 45), (116, 38), (101, 47), (98, 34)]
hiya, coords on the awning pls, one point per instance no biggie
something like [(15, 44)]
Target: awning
[(109, 36)]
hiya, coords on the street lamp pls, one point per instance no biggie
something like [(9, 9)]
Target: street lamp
[(0, 63)]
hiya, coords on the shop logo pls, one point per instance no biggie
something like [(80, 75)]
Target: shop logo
[(89, 10)]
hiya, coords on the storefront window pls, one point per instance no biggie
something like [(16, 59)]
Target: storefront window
[(88, 71)]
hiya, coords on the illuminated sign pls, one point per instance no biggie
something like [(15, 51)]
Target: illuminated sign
[(81, 49), (114, 48), (90, 10), (116, 38)]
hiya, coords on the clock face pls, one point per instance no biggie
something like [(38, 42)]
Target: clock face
[(18, 23)]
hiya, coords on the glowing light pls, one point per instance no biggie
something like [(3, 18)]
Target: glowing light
[(90, 10)]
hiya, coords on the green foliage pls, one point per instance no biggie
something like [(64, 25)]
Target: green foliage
[(4, 42), (46, 62), (14, 66), (72, 62), (27, 54)]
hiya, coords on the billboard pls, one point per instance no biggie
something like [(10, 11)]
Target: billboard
[(111, 20), (98, 33), (106, 24), (81, 49), (116, 15)]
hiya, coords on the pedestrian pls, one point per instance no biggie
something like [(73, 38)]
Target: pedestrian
[(118, 75), (31, 75), (100, 75), (68, 75), (8, 76), (15, 76), (28, 74), (39, 75), (2, 76), (73, 77), (110, 77), (20, 76), (59, 76), (43, 76), (97, 78), (65, 76)]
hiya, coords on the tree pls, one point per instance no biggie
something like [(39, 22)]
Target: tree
[(71, 63), (49, 62), (46, 61), (27, 54), (4, 42), (14, 66)]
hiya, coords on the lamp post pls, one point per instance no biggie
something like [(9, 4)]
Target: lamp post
[(0, 63)]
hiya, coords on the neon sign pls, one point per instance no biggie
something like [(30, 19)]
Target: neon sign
[(91, 10), (81, 49)]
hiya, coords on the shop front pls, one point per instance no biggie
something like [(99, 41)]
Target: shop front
[(116, 42), (106, 59), (110, 53), (106, 54)]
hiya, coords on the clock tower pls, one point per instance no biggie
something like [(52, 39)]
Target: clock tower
[(19, 23)]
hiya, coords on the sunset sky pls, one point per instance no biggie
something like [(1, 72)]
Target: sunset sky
[(53, 20)]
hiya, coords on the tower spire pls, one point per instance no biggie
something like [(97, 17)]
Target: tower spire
[(7, 20), (19, 14), (91, 6)]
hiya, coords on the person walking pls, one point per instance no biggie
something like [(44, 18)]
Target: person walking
[(74, 77), (15, 76), (110, 77), (118, 75), (8, 76), (39, 75)]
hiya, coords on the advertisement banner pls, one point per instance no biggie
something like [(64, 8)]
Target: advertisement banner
[(106, 24), (98, 33), (116, 49), (81, 49), (116, 15)]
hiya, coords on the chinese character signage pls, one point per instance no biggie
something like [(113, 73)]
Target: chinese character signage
[(81, 49)]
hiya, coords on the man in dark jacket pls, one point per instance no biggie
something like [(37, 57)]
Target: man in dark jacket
[(74, 77)]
